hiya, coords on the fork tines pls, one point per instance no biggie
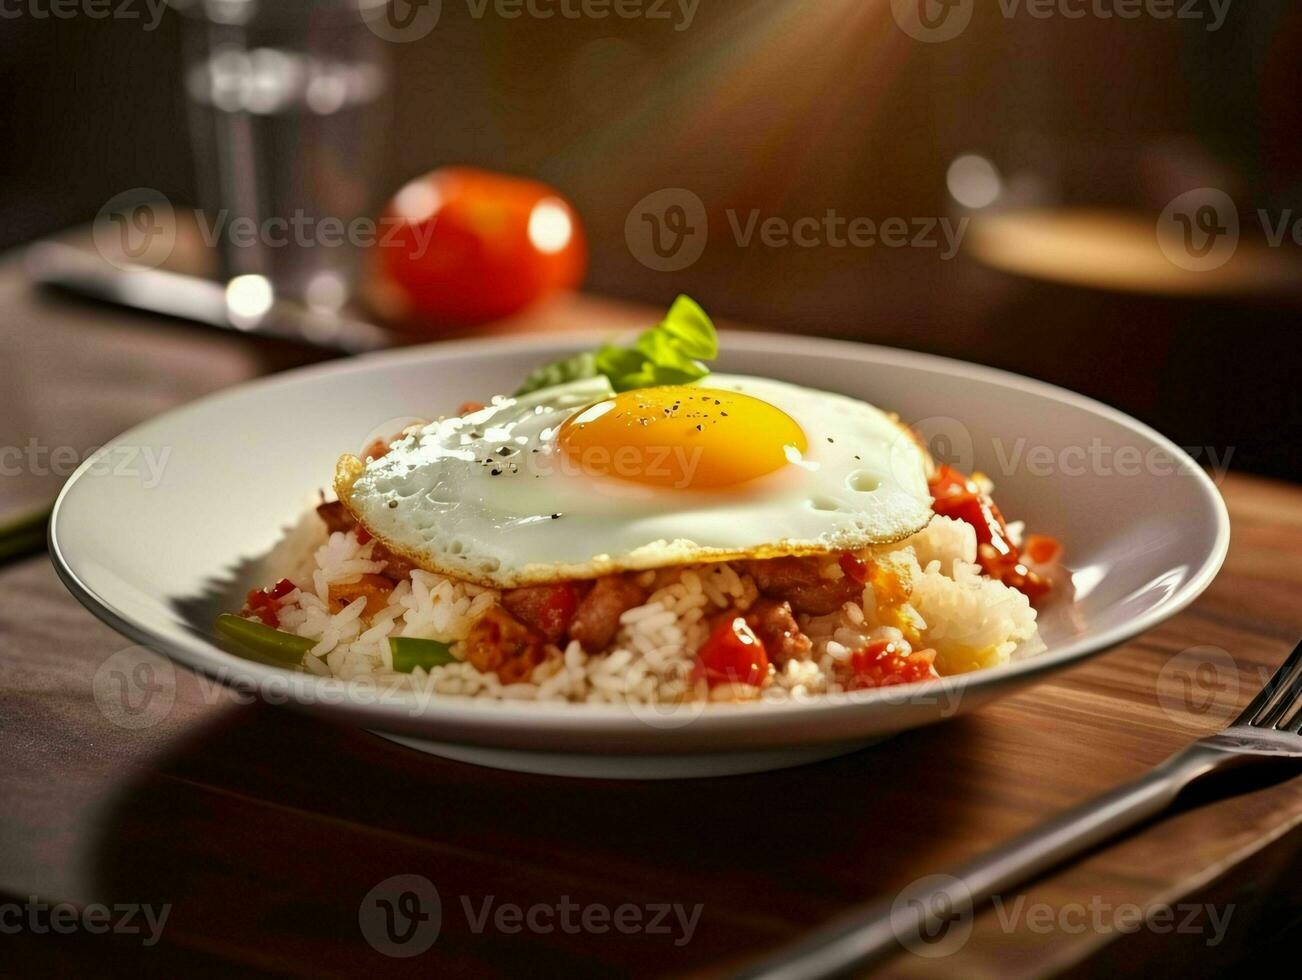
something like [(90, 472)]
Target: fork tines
[(1277, 704)]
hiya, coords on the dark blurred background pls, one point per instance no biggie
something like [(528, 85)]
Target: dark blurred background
[(1075, 134)]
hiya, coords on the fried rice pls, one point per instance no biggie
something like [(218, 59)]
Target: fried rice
[(941, 602)]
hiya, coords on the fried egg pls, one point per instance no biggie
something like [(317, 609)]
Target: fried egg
[(577, 481)]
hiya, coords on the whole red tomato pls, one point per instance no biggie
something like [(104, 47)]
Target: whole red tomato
[(460, 246)]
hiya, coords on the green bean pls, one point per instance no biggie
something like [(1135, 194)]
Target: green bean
[(410, 653), (278, 645)]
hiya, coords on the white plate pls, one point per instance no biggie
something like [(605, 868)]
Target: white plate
[(157, 554)]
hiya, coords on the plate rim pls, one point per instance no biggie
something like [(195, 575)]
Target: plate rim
[(203, 655)]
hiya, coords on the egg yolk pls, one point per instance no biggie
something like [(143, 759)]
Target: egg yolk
[(682, 437)]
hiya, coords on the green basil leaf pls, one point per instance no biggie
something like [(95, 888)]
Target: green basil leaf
[(689, 325), (618, 362), (561, 372), (670, 353)]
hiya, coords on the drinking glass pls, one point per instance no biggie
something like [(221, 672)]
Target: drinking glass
[(283, 98)]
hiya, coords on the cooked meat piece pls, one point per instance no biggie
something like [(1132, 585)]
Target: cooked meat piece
[(797, 580), (547, 608), (776, 627), (500, 644), (596, 621), (336, 516), (375, 588)]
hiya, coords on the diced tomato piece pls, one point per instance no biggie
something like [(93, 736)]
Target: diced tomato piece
[(855, 569), (884, 663), (547, 608), (468, 407), (265, 603), (262, 606), (980, 511), (1041, 549), (734, 655), (949, 482), (886, 585), (363, 535), (281, 589), (1032, 584), (960, 498), (1012, 571)]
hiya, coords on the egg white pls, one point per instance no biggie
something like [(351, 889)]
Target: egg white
[(489, 497)]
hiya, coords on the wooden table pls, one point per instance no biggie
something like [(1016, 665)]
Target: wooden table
[(263, 830)]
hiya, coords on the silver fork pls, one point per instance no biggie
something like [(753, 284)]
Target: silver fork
[(1267, 729)]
